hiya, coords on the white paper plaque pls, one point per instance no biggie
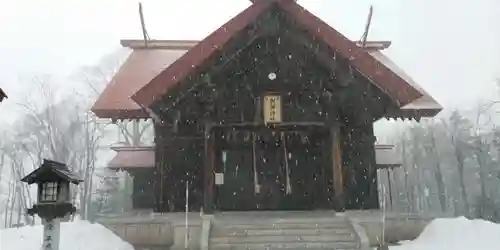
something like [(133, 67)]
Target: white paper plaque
[(272, 109), (219, 178)]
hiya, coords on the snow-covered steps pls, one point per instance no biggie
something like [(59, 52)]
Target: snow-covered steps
[(282, 230)]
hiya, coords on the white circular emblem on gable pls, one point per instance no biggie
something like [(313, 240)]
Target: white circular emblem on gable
[(272, 76)]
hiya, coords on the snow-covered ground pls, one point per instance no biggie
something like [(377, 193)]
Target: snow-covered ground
[(78, 235), (456, 234), (441, 234)]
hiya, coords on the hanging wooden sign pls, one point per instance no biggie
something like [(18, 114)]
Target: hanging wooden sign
[(272, 109)]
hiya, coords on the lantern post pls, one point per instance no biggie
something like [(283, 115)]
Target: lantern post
[(54, 181)]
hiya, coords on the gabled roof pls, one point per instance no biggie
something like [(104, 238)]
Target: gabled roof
[(51, 168), (381, 76), (145, 62)]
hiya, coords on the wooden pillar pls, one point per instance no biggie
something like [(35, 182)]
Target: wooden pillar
[(209, 170), (338, 177), (160, 171), (370, 165), (364, 189), (389, 184)]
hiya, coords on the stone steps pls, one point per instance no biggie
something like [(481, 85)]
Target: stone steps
[(282, 231), (270, 225), (287, 246), (281, 238), (222, 232)]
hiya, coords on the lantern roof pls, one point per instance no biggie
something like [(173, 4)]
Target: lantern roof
[(51, 171)]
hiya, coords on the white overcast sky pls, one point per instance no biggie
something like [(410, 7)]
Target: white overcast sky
[(451, 47)]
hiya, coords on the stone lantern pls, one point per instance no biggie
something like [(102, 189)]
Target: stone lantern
[(54, 197)]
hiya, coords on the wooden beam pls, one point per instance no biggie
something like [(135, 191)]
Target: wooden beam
[(338, 176), (283, 126), (159, 44)]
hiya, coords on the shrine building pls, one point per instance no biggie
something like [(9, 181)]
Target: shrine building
[(272, 111)]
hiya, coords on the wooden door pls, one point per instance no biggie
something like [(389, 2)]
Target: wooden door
[(307, 160), (271, 176), (237, 189)]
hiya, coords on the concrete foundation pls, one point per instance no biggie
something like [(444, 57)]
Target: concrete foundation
[(167, 231)]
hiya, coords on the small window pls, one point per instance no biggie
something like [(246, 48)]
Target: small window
[(49, 192)]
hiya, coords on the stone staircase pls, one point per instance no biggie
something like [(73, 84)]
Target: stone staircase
[(282, 230)]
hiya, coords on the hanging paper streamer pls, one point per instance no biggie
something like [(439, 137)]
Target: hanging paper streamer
[(287, 167), (254, 160)]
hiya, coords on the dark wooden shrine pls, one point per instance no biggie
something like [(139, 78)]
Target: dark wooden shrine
[(273, 111)]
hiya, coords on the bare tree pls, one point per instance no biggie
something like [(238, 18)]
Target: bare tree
[(60, 130), (459, 128), (59, 126), (438, 174)]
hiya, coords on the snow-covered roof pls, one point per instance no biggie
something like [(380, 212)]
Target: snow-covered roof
[(141, 66), (133, 158), (424, 102), (386, 157)]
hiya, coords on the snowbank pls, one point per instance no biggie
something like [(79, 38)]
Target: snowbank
[(456, 234), (74, 236)]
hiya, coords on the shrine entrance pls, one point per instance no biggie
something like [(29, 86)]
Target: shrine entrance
[(278, 167)]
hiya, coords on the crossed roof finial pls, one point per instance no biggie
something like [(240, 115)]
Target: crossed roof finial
[(256, 1), (2, 95)]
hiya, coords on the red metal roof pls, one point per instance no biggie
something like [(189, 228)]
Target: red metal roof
[(387, 80), (133, 158), (141, 66)]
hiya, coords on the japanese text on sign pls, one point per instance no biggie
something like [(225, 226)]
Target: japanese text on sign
[(272, 109), (51, 235)]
